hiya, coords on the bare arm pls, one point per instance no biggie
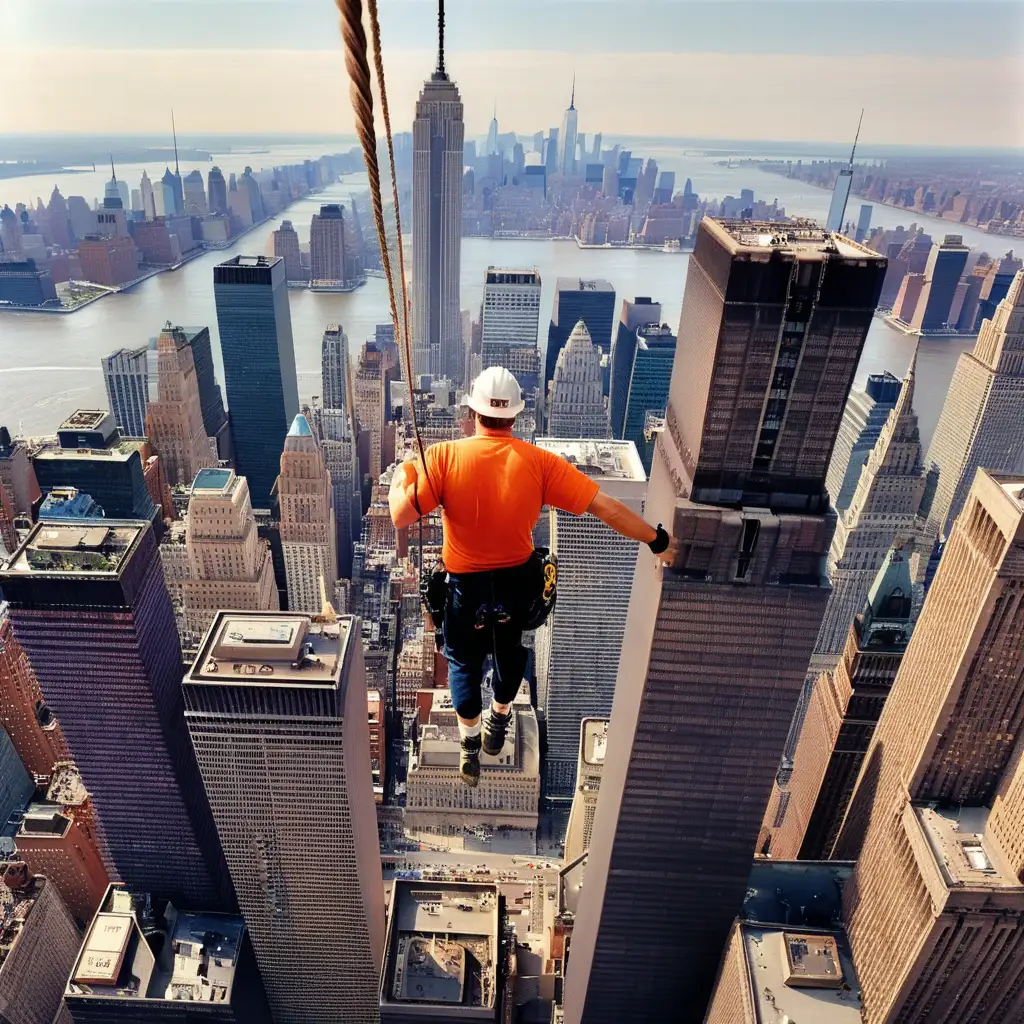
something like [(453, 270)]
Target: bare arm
[(621, 518), (401, 496)]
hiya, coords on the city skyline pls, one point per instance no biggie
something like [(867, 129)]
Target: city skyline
[(960, 86), (234, 765)]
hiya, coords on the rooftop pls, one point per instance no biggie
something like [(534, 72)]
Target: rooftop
[(86, 549), (117, 961), (442, 947), (15, 907), (272, 649), (595, 740), (965, 855), (66, 787), (805, 238), (610, 460), (213, 480), (801, 976), (85, 419), (796, 894), (438, 743)]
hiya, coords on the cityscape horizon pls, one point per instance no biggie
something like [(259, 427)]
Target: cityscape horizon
[(553, 575)]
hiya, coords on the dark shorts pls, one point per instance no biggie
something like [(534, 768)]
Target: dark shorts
[(486, 599)]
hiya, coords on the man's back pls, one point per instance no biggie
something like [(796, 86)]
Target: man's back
[(492, 488)]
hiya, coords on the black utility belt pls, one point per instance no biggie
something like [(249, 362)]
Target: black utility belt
[(539, 572)]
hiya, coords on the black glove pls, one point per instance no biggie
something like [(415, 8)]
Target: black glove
[(660, 542)]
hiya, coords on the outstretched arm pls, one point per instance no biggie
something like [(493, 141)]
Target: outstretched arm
[(624, 520)]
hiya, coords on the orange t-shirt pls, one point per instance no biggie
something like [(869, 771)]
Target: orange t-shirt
[(492, 488)]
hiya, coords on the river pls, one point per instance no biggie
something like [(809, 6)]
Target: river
[(49, 363)]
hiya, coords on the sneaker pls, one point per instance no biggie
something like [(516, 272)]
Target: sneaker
[(495, 727), (469, 761)]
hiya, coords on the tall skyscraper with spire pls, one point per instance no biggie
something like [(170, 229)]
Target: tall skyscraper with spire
[(492, 134), (175, 182), (567, 139), (437, 138), (841, 191), (773, 324)]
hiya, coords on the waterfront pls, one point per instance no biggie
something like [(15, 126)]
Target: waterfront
[(49, 366)]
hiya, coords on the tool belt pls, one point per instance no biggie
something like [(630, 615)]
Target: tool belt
[(543, 583)]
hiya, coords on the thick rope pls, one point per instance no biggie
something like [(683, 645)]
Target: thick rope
[(378, 62), (361, 95)]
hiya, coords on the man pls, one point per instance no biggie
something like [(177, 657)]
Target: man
[(491, 488)]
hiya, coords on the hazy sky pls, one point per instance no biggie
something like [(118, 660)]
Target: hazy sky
[(944, 72)]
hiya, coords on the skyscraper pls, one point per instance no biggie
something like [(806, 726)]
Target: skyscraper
[(307, 521), (841, 192), (942, 274), (286, 245), (865, 414), (89, 606), (575, 400), (511, 318), (508, 335), (885, 510), (632, 316), (980, 424), (437, 137), (229, 564), (217, 189), (334, 369), (286, 696), (804, 815), (335, 429), (125, 374), (93, 458), (41, 942), (259, 364), (655, 351), (327, 247), (996, 284), (368, 391), (593, 751), (863, 222), (195, 194), (174, 420), (773, 322), (593, 302), (934, 908), (215, 419), (59, 838), (24, 714), (145, 959), (595, 571), (567, 139), (148, 200)]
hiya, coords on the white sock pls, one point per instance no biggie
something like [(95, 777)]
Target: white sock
[(468, 731)]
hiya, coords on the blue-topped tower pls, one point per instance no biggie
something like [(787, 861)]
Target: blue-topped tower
[(253, 316)]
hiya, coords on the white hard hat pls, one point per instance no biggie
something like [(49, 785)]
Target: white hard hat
[(496, 393)]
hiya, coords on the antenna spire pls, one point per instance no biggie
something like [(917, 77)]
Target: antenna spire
[(440, 72), (174, 132), (857, 136), (572, 101), (113, 176)]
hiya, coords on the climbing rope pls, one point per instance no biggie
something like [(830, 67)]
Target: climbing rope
[(361, 94)]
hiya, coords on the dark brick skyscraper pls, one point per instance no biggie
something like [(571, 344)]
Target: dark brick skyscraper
[(773, 322), (90, 608)]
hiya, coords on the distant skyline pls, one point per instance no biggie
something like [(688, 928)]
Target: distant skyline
[(941, 73)]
